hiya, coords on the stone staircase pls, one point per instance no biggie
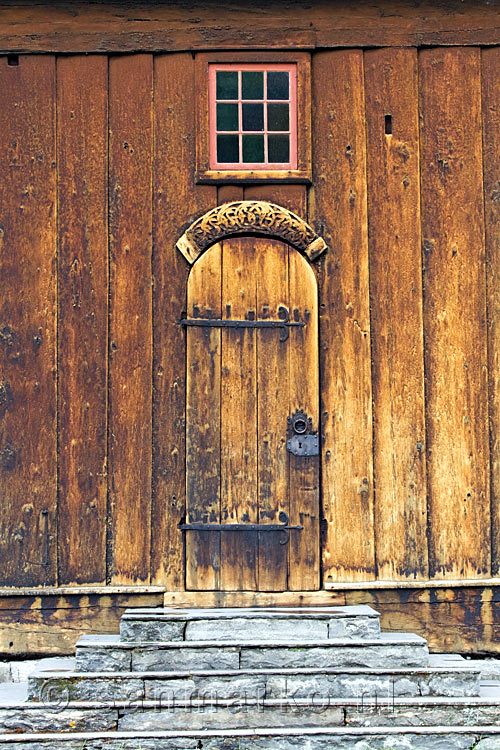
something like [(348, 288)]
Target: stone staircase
[(254, 679)]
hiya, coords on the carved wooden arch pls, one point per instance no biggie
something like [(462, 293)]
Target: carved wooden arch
[(249, 217)]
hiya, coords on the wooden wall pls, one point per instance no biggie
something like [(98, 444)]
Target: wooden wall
[(97, 164)]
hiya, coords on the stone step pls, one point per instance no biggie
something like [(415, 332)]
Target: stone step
[(262, 624), (198, 714), (317, 738), (445, 677), (108, 653)]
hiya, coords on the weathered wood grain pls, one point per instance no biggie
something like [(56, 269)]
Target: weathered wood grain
[(203, 422), (303, 373), (490, 77), (291, 197), (28, 437), (454, 313), (238, 415), (337, 209), (229, 193), (271, 277), (177, 201), (253, 598), (130, 316), (173, 26), (42, 625), (82, 138), (391, 92), (463, 620)]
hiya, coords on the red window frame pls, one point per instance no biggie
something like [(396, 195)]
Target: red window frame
[(291, 68)]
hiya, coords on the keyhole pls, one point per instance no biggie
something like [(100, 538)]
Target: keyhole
[(300, 443)]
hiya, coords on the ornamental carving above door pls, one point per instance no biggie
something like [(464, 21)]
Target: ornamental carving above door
[(252, 415)]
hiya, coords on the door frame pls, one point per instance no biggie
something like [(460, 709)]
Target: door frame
[(258, 218)]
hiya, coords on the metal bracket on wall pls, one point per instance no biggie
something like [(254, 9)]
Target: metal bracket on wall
[(284, 527)]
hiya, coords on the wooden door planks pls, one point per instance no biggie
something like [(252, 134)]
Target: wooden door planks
[(203, 423), (491, 168), (82, 144), (177, 201), (28, 437), (130, 364), (391, 91), (238, 416), (338, 211), (272, 412), (454, 313)]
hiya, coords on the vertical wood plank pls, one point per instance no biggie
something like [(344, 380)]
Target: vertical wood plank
[(272, 412), (292, 197), (203, 423), (28, 437), (304, 550), (337, 208), (454, 313), (177, 202), (391, 91), (490, 78), (130, 365), (229, 193), (82, 138), (238, 414)]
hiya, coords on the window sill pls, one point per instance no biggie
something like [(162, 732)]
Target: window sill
[(256, 175)]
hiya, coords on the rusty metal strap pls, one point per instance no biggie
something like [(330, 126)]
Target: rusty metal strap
[(219, 527), (217, 323)]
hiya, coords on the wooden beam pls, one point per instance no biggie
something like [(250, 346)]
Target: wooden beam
[(71, 27)]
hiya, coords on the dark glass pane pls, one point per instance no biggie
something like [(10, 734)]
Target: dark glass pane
[(278, 149), (227, 84), (227, 117), (277, 116), (253, 148), (253, 116), (228, 149), (252, 85), (278, 86)]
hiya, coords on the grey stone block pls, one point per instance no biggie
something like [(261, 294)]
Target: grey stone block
[(210, 687), (255, 740), (257, 629), (60, 690), (103, 660), (249, 623), (491, 743), (179, 659), (385, 686), (383, 655), (151, 630), (28, 719), (354, 627), (243, 716), (387, 714)]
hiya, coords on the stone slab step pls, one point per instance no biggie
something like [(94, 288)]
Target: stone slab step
[(239, 714), (445, 676), (318, 738), (103, 653), (258, 624)]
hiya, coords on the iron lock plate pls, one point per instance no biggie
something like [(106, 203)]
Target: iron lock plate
[(303, 445)]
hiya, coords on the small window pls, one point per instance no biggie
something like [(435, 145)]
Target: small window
[(253, 116)]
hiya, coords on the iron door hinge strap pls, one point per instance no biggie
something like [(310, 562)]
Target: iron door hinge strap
[(219, 527), (284, 323)]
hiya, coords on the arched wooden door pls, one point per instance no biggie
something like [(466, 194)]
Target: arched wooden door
[(252, 456)]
